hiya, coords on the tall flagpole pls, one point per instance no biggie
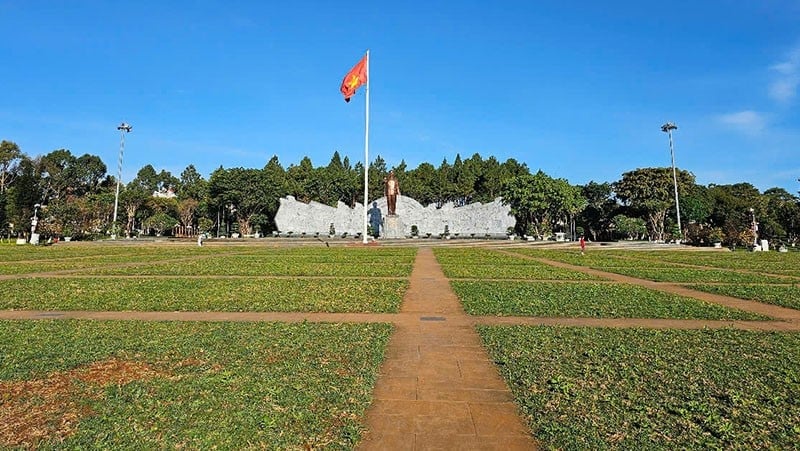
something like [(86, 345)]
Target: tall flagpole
[(366, 155)]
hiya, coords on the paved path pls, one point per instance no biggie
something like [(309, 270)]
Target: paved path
[(402, 318), (437, 388)]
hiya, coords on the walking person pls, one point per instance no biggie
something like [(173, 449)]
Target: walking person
[(582, 242)]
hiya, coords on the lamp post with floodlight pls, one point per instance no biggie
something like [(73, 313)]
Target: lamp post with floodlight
[(667, 128), (123, 129)]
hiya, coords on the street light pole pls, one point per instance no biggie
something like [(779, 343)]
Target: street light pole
[(667, 128), (123, 129)]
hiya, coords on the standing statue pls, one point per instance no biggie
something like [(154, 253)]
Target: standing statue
[(391, 190)]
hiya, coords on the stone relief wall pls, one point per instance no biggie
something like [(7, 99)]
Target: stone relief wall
[(314, 218)]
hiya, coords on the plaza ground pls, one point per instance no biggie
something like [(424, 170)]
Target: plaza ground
[(438, 388)]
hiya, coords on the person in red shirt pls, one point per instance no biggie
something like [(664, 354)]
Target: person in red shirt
[(582, 242)]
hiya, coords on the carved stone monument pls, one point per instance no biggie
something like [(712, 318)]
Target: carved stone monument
[(476, 219), (403, 214)]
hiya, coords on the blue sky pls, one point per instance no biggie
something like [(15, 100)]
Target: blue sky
[(579, 91)]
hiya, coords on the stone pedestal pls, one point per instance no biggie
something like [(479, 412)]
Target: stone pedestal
[(392, 227)]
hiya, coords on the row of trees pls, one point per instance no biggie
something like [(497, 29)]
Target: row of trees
[(77, 198)]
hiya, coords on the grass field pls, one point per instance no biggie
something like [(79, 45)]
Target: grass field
[(686, 266), (80, 384), (478, 271), (151, 385), (475, 263), (598, 388), (585, 299), (203, 294), (583, 388), (182, 261), (154, 385), (783, 295)]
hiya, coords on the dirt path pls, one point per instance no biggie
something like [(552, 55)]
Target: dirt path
[(437, 388)]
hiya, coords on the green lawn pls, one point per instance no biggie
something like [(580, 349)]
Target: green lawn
[(245, 265), (166, 385), (15, 253), (690, 275), (602, 260), (681, 267), (27, 262), (783, 295), (319, 254), (291, 386), (531, 271), (586, 299), (583, 388), (473, 263), (756, 263), (764, 262), (475, 256), (204, 294), (149, 259)]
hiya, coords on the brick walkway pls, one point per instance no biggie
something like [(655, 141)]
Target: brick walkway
[(437, 388)]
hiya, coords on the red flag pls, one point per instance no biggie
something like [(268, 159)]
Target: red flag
[(354, 79)]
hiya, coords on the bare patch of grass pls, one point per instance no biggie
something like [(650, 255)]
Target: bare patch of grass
[(50, 408)]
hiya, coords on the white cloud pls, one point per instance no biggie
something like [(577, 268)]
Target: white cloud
[(748, 121), (784, 86)]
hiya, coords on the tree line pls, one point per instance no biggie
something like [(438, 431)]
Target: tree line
[(75, 196)]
